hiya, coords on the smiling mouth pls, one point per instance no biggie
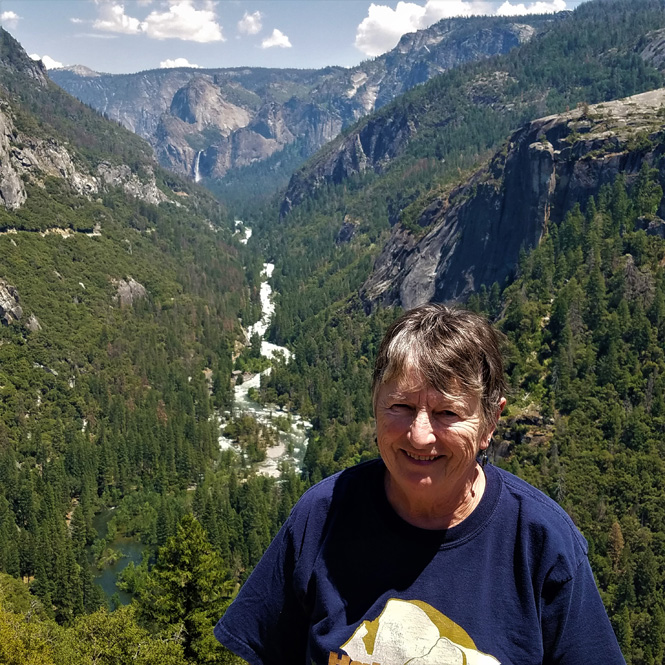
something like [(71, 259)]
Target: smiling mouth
[(422, 458)]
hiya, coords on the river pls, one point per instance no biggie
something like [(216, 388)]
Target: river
[(293, 443), (130, 549)]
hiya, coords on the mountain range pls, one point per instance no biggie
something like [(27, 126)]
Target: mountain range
[(203, 123)]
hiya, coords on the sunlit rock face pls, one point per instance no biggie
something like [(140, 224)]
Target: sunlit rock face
[(473, 235), (10, 310), (24, 158)]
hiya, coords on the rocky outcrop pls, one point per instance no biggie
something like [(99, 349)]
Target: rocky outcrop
[(128, 291), (27, 158), (652, 227), (38, 158), (346, 232), (32, 324), (222, 119), (122, 176), (23, 157), (473, 235), (10, 309), (654, 51), (12, 191), (370, 147)]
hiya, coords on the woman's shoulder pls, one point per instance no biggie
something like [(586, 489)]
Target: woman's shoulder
[(332, 499), (338, 491), (539, 518), (353, 478)]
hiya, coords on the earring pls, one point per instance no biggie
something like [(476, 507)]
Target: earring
[(484, 457)]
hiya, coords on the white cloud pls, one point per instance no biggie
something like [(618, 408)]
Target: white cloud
[(113, 19), (9, 19), (48, 61), (184, 21), (180, 21), (383, 27), (176, 62), (250, 24), (77, 21), (508, 9), (278, 38)]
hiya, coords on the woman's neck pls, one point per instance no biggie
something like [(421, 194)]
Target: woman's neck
[(436, 513)]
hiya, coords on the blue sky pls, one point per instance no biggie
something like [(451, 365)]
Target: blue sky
[(122, 37)]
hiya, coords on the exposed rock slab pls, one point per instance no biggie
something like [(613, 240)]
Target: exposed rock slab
[(10, 309), (32, 159), (122, 176), (12, 191), (128, 291), (473, 236)]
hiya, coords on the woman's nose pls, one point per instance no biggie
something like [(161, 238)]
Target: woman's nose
[(422, 432)]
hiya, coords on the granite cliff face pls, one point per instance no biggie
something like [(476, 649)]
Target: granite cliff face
[(370, 146), (473, 235), (26, 159), (29, 156), (204, 122), (10, 309), (29, 159)]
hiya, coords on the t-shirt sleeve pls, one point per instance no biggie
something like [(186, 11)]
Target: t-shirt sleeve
[(266, 623), (575, 625)]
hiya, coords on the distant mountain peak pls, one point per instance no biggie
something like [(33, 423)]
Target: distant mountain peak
[(80, 70)]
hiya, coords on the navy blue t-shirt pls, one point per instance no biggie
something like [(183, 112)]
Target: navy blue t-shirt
[(347, 581)]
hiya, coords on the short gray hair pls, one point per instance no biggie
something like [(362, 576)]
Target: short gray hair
[(449, 348)]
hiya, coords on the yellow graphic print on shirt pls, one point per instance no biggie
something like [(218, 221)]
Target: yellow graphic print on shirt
[(410, 632)]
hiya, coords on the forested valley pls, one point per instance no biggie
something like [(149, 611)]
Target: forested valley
[(112, 403)]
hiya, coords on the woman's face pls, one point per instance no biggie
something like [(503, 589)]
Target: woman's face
[(428, 442)]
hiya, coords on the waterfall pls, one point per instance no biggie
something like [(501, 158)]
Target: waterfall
[(197, 173)]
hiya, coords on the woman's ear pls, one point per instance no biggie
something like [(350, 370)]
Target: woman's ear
[(485, 444)]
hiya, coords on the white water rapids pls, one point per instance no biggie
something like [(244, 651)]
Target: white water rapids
[(292, 444)]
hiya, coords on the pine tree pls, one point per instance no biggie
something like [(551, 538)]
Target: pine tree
[(189, 587), (615, 546)]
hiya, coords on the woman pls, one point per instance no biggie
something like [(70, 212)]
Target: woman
[(425, 556)]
